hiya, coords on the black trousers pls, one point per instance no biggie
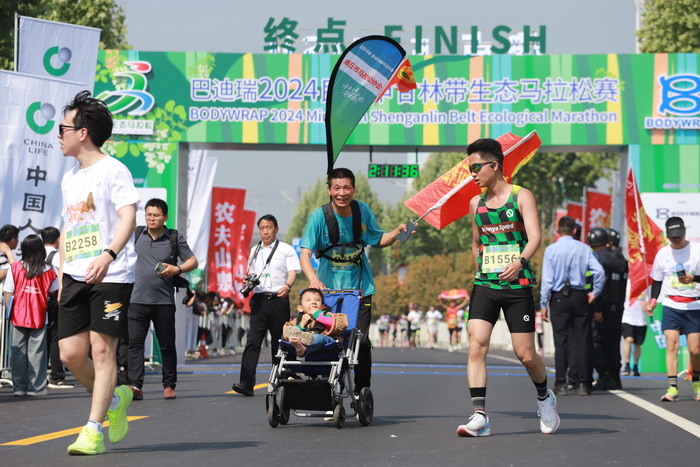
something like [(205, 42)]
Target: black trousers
[(58, 373), (606, 340), (571, 327), (267, 313), (163, 317), (363, 370)]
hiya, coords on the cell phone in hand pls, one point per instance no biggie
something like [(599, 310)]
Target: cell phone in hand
[(160, 267)]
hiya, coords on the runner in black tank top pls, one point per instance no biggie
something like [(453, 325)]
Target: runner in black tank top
[(503, 242)]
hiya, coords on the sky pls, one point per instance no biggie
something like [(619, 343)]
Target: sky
[(275, 179)]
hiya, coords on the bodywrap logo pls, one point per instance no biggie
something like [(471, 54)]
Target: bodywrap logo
[(136, 100), (680, 95), (64, 54), (47, 112)]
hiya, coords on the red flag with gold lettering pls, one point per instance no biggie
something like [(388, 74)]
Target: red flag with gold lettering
[(447, 198), (644, 240)]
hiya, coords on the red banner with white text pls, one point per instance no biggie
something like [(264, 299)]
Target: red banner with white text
[(240, 262), (226, 210), (598, 209)]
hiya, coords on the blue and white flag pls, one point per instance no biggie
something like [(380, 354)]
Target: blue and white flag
[(58, 50)]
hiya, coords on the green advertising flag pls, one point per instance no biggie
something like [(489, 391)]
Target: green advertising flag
[(362, 73)]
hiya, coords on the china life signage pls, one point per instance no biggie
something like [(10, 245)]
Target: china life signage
[(584, 100), (283, 35)]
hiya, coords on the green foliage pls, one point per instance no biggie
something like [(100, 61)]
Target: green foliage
[(670, 26), (107, 15), (556, 177)]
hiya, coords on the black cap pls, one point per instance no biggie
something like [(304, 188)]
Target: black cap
[(675, 227)]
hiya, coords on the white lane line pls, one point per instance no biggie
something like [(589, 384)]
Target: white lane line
[(680, 422)]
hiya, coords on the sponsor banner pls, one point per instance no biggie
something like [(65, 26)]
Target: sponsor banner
[(58, 50), (661, 206), (598, 208), (152, 165), (31, 161), (224, 237), (583, 100), (202, 170)]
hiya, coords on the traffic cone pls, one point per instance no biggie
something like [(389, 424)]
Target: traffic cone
[(203, 346)]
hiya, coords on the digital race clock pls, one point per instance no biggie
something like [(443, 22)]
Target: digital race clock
[(393, 171)]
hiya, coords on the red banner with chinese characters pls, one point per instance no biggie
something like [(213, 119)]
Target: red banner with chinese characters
[(245, 235), (226, 208), (644, 240), (598, 209)]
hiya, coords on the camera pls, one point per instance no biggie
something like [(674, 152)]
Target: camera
[(250, 282)]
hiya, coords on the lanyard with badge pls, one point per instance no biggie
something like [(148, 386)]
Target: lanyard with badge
[(264, 273)]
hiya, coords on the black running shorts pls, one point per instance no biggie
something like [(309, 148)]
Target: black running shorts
[(637, 333), (92, 307), (518, 307)]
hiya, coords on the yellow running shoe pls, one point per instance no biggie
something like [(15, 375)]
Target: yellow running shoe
[(118, 423), (671, 395), (696, 390), (89, 442)]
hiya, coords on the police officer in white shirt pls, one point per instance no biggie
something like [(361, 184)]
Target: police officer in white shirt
[(275, 265)]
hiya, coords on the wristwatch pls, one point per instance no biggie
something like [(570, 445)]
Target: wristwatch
[(523, 261), (111, 253)]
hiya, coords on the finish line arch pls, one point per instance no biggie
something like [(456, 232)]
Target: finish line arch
[(645, 107)]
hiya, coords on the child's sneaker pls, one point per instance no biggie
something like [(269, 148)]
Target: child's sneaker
[(478, 425), (671, 395), (89, 442), (696, 390)]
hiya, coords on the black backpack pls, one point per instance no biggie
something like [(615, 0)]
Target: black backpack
[(334, 235)]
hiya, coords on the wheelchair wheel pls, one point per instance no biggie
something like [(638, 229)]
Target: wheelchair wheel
[(365, 406), (339, 416), (282, 407), (273, 417)]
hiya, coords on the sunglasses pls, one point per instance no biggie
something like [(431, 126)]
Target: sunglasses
[(475, 168), (63, 128)]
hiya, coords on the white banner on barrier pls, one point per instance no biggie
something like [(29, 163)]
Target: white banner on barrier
[(58, 50), (31, 161)]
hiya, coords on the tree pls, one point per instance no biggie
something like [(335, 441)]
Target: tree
[(670, 26), (107, 15), (556, 177)]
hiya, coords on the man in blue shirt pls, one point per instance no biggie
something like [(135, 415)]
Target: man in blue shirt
[(343, 263), (563, 289)]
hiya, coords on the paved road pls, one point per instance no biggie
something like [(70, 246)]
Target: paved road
[(420, 398)]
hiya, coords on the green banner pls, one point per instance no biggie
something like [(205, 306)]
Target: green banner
[(581, 100), (152, 165)]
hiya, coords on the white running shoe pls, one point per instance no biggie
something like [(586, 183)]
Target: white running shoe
[(478, 425), (547, 411)]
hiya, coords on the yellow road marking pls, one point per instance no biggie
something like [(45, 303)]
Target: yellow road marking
[(55, 435), (257, 386)]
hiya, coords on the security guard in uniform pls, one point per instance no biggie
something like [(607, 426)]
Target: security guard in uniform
[(608, 309)]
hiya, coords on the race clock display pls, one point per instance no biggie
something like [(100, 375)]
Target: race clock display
[(393, 171)]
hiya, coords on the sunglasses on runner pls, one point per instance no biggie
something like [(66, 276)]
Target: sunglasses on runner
[(63, 128), (475, 168)]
